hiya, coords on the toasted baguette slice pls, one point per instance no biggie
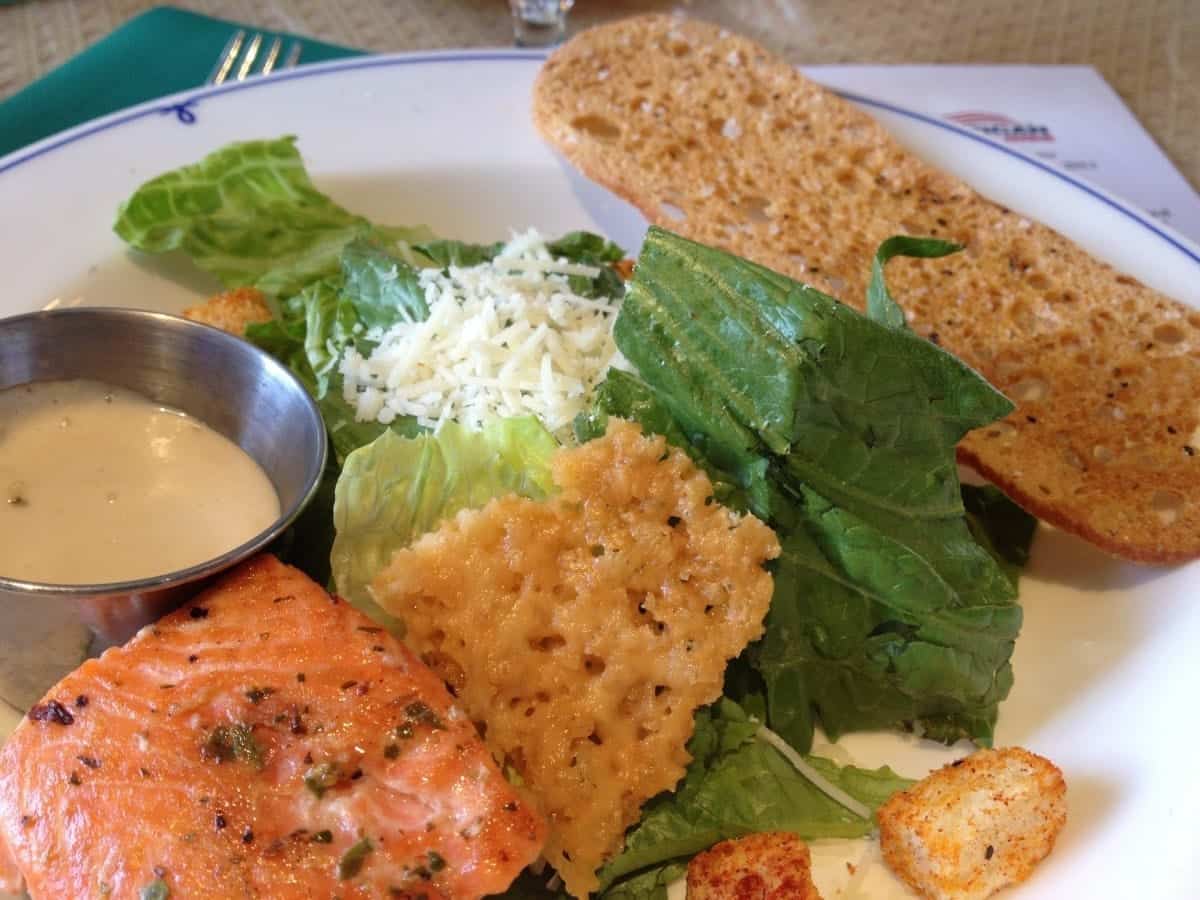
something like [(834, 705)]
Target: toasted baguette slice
[(711, 136)]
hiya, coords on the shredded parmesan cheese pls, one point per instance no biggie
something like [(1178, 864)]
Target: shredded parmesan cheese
[(504, 338)]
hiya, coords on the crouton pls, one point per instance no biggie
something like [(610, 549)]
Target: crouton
[(232, 310), (774, 865), (974, 826)]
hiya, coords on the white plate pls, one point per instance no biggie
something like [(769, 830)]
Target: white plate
[(1106, 672)]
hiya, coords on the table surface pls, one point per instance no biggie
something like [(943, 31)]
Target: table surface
[(1148, 50)]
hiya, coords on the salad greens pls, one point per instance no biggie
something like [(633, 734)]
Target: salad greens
[(736, 784), (840, 432), (395, 489), (249, 214), (895, 594)]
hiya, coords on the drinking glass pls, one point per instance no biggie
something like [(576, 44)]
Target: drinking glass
[(539, 23)]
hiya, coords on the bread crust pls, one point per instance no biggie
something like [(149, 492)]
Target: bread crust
[(709, 135)]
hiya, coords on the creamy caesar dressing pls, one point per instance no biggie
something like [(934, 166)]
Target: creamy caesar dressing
[(98, 484)]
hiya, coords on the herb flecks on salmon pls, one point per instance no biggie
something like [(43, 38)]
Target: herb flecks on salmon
[(264, 783)]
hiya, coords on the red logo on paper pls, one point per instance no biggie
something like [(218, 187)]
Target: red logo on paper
[(1001, 126)]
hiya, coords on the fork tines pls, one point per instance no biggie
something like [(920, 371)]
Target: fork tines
[(239, 55)]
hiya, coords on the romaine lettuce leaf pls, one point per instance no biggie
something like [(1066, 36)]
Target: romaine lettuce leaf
[(586, 247), (591, 250), (738, 784), (447, 253), (881, 306), (382, 288), (314, 328), (1000, 525), (249, 214), (396, 489), (839, 431)]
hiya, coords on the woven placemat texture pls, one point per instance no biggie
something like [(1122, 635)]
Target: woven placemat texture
[(1148, 50)]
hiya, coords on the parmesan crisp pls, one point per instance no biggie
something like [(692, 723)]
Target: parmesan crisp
[(583, 632)]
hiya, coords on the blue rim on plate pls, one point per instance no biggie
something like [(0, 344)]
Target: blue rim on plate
[(182, 107)]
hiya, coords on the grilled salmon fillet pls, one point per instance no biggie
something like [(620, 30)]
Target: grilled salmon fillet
[(265, 740)]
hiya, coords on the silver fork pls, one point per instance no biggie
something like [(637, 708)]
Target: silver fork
[(239, 55)]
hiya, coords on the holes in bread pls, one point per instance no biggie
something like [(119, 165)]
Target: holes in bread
[(1000, 430), (672, 211), (1029, 390), (593, 665), (547, 643), (596, 126), (756, 99), (1068, 339), (1169, 333), (846, 177), (1073, 459), (1167, 505), (754, 208)]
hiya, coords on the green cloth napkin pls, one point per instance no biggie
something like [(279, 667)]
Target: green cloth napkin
[(162, 51)]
